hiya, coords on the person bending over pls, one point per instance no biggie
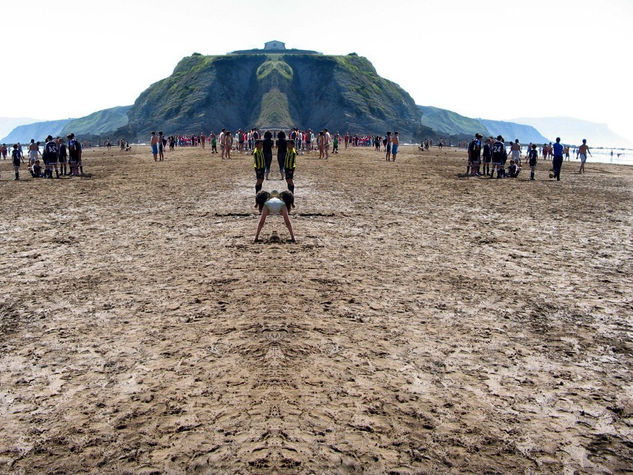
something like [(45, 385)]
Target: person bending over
[(274, 203)]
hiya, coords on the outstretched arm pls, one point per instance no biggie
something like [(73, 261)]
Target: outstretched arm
[(262, 220)]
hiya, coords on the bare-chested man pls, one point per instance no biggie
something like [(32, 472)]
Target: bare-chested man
[(154, 143), (515, 152), (582, 152), (395, 142)]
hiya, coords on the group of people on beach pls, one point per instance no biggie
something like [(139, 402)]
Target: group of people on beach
[(484, 160), (64, 159)]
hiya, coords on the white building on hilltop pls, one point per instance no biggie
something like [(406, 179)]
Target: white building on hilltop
[(274, 45)]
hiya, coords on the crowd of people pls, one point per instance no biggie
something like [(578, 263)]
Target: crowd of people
[(484, 159), (58, 155)]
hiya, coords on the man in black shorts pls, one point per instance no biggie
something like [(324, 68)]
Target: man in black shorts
[(290, 164), (259, 164), (487, 155)]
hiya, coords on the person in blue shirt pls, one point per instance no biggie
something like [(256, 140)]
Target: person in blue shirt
[(557, 161)]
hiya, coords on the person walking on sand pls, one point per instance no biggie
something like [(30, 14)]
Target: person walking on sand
[(274, 203), (557, 161), (15, 156), (582, 152)]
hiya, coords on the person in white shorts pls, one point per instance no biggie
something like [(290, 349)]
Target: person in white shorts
[(34, 150), (582, 152), (274, 203)]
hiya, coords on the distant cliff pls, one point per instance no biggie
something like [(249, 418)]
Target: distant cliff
[(572, 131), (37, 131), (511, 131)]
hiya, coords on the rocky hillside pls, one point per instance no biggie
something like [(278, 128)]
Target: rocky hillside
[(341, 93)]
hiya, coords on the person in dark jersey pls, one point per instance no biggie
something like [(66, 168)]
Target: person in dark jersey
[(532, 155), (474, 155), (499, 157), (50, 157), (268, 151), (15, 156), (281, 151), (487, 156), (557, 160), (63, 157)]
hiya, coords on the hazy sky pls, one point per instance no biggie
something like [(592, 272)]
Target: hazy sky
[(491, 59)]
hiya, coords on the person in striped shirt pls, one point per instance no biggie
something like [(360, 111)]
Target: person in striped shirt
[(259, 164), (290, 164)]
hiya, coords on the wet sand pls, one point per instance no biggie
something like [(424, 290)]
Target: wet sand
[(423, 322)]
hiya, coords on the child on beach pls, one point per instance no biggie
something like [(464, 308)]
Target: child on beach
[(274, 203), (290, 164), (487, 156), (36, 169), (63, 157), (532, 155), (15, 155), (513, 169)]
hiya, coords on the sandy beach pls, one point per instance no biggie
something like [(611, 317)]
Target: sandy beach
[(423, 322)]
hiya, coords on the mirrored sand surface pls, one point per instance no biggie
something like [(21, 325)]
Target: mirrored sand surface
[(422, 322)]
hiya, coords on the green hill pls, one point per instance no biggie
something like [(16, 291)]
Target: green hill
[(449, 122), (99, 123), (275, 90)]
